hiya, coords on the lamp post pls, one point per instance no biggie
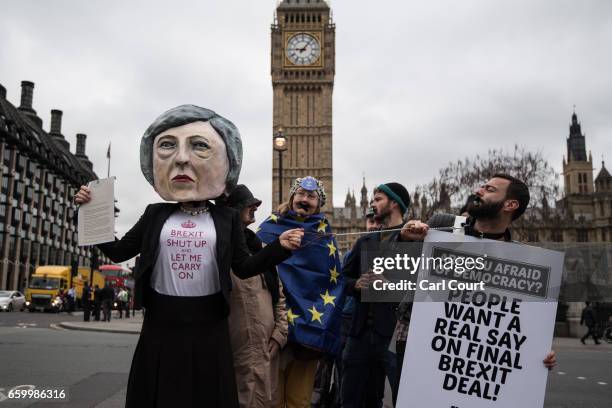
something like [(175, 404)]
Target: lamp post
[(280, 145)]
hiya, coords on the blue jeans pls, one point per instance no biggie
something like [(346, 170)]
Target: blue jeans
[(365, 359)]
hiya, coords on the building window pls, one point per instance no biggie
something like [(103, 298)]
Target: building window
[(11, 248), (5, 184), (582, 235), (29, 195), (16, 216), (27, 219), (34, 254), (47, 203), (8, 153), (19, 188), (37, 174), (532, 236), (20, 163), (30, 169), (557, 236), (49, 180)]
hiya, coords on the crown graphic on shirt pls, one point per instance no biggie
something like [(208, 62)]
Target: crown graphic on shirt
[(188, 224)]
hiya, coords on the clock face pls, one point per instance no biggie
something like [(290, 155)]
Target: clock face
[(303, 49)]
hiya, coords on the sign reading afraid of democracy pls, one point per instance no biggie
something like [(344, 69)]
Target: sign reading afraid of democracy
[(482, 349)]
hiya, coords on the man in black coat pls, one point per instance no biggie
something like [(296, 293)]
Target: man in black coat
[(86, 302), (589, 320), (108, 296), (97, 302)]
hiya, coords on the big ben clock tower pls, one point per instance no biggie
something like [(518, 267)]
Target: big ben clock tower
[(303, 53)]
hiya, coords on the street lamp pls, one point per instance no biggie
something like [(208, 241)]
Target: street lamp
[(280, 145)]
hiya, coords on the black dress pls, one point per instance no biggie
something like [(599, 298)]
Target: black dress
[(184, 357)]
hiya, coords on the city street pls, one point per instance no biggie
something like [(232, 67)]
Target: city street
[(93, 366)]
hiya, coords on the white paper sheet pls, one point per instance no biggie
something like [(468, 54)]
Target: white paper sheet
[(97, 217)]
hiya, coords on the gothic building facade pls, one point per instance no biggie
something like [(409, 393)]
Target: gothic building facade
[(584, 212), (39, 178)]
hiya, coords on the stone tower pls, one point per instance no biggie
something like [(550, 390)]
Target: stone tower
[(577, 171), (302, 68)]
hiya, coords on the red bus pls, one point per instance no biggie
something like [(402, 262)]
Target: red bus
[(117, 276)]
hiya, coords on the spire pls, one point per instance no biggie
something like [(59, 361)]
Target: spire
[(364, 203), (603, 173), (347, 201), (576, 146)]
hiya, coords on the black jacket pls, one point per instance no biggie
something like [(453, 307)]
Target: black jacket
[(231, 248), (382, 314)]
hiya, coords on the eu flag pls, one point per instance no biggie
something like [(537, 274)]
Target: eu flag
[(312, 280)]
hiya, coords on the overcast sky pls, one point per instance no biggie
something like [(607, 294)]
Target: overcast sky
[(418, 83)]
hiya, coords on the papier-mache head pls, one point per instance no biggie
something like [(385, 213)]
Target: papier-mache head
[(191, 153)]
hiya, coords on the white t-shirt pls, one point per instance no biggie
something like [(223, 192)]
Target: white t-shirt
[(187, 264)]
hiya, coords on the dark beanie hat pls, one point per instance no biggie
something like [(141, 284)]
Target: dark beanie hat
[(241, 197), (397, 193)]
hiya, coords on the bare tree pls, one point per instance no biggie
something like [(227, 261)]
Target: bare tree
[(458, 180)]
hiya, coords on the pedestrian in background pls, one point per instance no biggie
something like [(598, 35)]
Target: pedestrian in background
[(122, 298), (97, 302), (86, 302), (589, 319), (108, 296), (71, 298)]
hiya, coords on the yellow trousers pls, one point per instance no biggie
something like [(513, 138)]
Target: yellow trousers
[(296, 381)]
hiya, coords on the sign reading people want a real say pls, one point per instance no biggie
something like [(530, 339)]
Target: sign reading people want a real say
[(482, 349)]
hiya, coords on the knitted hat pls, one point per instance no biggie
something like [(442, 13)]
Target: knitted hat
[(309, 183), (397, 193)]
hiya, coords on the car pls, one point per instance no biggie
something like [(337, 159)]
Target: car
[(11, 300)]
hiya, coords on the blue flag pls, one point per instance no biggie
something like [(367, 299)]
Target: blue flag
[(312, 280)]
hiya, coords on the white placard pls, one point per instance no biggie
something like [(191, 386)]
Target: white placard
[(462, 355), (96, 223)]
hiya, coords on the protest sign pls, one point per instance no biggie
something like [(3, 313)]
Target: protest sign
[(483, 348)]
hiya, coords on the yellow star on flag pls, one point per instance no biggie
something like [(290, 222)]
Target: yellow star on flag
[(316, 315), (322, 226), (332, 248), (291, 317), (328, 299), (273, 218), (334, 275)]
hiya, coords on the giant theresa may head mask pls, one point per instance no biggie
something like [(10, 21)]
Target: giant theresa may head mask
[(191, 153)]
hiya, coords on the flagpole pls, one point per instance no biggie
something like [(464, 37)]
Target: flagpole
[(108, 156)]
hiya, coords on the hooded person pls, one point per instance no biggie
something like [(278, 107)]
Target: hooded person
[(190, 155), (258, 319), (314, 290)]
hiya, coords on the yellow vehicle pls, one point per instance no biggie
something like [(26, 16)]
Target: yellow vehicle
[(48, 281)]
